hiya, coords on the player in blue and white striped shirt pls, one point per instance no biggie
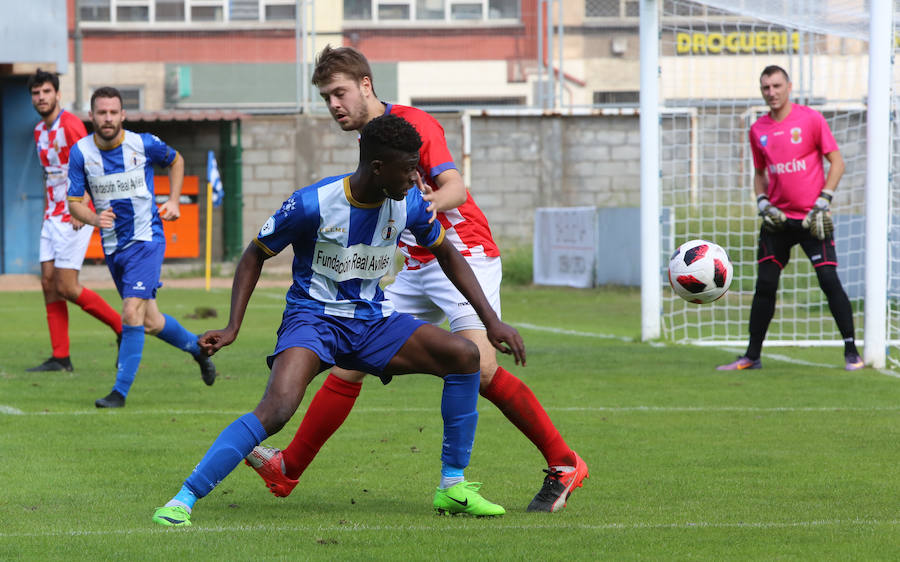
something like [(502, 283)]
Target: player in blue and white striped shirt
[(344, 231), (115, 167)]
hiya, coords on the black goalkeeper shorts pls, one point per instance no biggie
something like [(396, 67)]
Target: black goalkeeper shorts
[(776, 246)]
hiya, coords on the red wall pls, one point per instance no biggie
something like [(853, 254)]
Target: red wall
[(381, 45)]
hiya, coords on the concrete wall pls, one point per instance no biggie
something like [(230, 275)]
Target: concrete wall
[(518, 163), (34, 33)]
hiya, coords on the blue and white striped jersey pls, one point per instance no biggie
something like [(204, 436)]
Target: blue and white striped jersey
[(342, 248), (121, 178)]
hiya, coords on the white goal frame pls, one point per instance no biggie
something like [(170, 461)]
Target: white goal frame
[(877, 183)]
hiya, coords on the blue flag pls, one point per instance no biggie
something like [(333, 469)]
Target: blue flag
[(212, 176)]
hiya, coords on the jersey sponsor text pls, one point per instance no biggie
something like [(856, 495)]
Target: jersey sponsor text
[(359, 261), (788, 167), (122, 185)]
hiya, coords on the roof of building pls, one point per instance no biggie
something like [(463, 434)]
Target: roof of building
[(178, 115)]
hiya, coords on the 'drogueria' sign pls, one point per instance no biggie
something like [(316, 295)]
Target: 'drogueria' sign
[(737, 42)]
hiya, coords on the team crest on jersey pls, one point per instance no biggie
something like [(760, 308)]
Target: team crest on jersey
[(268, 228), (796, 135), (764, 140), (134, 159), (389, 231), (288, 206)]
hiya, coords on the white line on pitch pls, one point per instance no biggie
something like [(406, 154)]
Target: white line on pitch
[(467, 528), (648, 409), (563, 331), (773, 356)]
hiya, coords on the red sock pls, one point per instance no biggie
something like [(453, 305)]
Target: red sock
[(327, 411), (522, 408), (93, 304), (58, 322)]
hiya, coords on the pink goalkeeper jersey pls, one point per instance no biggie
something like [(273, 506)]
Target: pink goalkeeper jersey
[(53, 144), (791, 151)]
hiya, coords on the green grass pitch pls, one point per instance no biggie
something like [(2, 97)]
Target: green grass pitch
[(797, 461)]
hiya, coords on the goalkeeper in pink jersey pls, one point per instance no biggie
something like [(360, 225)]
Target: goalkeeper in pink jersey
[(793, 195), (344, 79)]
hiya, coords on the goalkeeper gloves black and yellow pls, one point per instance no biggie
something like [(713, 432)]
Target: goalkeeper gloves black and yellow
[(773, 217), (818, 220)]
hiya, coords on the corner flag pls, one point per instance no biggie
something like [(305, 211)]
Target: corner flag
[(214, 195), (212, 176)]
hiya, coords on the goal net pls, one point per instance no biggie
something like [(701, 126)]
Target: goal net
[(711, 54)]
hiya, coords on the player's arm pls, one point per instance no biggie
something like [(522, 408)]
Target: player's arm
[(450, 192), (818, 219), (760, 181), (171, 209), (773, 218), (77, 224), (835, 170), (246, 275), (79, 208), (461, 275), (77, 195), (75, 131)]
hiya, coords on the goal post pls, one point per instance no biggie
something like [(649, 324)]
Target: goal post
[(709, 55)]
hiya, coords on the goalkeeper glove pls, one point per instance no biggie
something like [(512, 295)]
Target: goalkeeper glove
[(818, 220), (773, 218)]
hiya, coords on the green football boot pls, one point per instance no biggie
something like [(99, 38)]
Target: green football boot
[(463, 498), (174, 516)]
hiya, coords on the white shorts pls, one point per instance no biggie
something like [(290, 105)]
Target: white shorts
[(62, 244), (427, 294)]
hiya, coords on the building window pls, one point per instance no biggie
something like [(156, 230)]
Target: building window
[(281, 10), (169, 10), (207, 13), (612, 8), (188, 11), (94, 10), (431, 10), (617, 98), (393, 11), (357, 9), (132, 96), (132, 12), (503, 9), (244, 10), (439, 104)]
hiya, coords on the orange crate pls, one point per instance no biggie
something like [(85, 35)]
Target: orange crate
[(182, 235)]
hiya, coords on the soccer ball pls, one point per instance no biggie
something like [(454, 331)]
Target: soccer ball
[(700, 271)]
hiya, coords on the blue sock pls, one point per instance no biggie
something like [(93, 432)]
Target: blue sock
[(450, 476), (130, 351), (184, 498), (230, 447), (458, 402), (173, 333)]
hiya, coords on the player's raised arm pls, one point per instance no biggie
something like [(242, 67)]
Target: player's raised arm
[(450, 192), (246, 276), (460, 274), (171, 209)]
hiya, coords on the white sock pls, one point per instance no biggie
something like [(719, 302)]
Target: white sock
[(176, 503), (448, 481), (563, 468)]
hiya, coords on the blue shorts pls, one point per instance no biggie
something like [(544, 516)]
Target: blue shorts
[(350, 343), (136, 269)]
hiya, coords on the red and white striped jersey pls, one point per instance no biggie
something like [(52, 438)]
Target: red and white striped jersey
[(466, 226), (53, 145)]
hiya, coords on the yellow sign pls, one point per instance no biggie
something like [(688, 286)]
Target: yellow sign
[(737, 42)]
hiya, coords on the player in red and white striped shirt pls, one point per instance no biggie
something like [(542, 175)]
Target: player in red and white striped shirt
[(344, 79), (64, 241)]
